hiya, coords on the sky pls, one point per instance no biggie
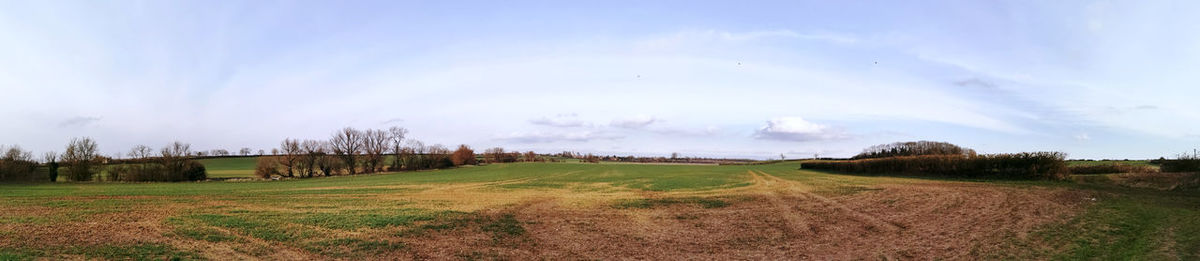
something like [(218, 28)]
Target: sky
[(744, 79)]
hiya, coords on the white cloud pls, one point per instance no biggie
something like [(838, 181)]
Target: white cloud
[(1083, 137), (797, 129), (636, 122), (78, 122), (561, 120)]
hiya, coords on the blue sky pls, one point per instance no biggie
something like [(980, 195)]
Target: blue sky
[(1095, 79)]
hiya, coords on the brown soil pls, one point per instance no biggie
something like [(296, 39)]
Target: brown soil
[(781, 220)]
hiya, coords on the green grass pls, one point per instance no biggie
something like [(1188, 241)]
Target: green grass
[(235, 167), (505, 226), (635, 176), (1130, 226)]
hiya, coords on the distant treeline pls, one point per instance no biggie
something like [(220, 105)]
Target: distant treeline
[(353, 151), (949, 161), (82, 162), (913, 148)]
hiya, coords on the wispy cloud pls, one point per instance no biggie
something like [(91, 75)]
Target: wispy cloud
[(798, 129), (561, 120), (551, 137), (392, 121), (78, 122), (636, 122)]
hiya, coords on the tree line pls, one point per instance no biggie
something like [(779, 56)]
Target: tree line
[(353, 151), (913, 148), (948, 160), (81, 161)]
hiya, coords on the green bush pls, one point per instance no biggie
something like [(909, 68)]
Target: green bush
[(1183, 164), (1025, 165)]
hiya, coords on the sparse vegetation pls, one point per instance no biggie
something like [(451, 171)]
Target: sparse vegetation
[(1111, 168)]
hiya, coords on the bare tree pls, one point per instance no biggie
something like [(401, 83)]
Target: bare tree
[(347, 144), (415, 154), (178, 164), (140, 152), (291, 154), (82, 158), (438, 157), (375, 143), (17, 165), (312, 151), (397, 142), (244, 152), (493, 155)]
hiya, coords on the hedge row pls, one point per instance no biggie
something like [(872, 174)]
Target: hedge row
[(20, 171), (1183, 164), (172, 171), (1026, 165)]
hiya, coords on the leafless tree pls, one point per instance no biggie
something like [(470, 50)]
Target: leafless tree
[(312, 151), (244, 152), (375, 144), (493, 155), (140, 152), (17, 165), (397, 142), (347, 144), (81, 155), (290, 148)]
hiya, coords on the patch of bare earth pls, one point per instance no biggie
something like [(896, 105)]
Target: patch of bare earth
[(780, 220)]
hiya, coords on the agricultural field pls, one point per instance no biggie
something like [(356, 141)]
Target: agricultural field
[(596, 211), (230, 167), (1108, 162)]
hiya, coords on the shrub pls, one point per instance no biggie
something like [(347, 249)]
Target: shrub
[(1111, 168), (194, 171), (1182, 164), (463, 156), (18, 165), (265, 167), (1026, 165), (18, 170), (188, 170)]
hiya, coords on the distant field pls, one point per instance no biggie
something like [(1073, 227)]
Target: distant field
[(596, 211), (1101, 162), (237, 167)]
